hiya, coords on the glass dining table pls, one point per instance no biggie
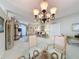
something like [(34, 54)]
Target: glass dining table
[(46, 49)]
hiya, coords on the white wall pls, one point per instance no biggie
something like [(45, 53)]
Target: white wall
[(2, 35), (54, 29), (66, 24)]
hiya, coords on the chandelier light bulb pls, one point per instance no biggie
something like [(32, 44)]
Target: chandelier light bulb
[(44, 5), (53, 10), (36, 11)]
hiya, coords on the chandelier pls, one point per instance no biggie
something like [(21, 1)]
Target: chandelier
[(43, 16)]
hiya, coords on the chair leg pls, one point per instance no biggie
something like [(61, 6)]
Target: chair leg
[(62, 55)]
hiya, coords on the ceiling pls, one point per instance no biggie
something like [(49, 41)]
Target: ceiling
[(25, 7)]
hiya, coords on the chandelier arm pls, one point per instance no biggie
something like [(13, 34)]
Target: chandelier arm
[(35, 16), (53, 16)]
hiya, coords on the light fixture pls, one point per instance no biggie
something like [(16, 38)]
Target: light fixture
[(44, 16), (53, 10), (36, 12), (44, 5)]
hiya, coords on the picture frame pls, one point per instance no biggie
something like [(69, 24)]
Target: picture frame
[(1, 24), (75, 27)]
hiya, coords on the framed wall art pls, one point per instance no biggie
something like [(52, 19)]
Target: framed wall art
[(1, 24), (75, 27)]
